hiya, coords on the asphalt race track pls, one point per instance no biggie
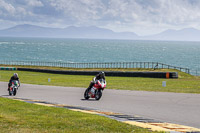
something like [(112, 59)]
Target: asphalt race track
[(175, 108)]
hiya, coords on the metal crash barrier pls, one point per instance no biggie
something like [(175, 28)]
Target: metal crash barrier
[(108, 73), (8, 68)]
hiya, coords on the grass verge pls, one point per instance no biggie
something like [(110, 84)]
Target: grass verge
[(21, 117), (184, 84)]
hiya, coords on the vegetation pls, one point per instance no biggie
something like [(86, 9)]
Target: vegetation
[(184, 84), (16, 116), (21, 117)]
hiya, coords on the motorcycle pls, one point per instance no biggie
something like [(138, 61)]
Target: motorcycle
[(13, 88), (96, 90)]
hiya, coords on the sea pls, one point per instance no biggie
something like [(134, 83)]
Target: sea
[(176, 53)]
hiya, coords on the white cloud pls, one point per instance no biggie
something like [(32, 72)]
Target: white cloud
[(6, 8), (80, 10), (154, 14), (165, 11), (34, 3), (141, 16)]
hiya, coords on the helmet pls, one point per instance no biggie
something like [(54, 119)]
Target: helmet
[(15, 75), (102, 74)]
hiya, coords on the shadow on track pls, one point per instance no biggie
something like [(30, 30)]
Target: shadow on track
[(5, 96), (88, 100)]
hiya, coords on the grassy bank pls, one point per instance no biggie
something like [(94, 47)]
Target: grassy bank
[(184, 84), (93, 69), (21, 117)]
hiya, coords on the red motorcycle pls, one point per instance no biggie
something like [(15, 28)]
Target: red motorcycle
[(96, 90)]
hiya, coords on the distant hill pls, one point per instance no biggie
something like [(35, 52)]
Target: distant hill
[(93, 32), (187, 34), (69, 32)]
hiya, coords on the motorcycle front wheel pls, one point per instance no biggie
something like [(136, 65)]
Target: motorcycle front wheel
[(15, 91), (86, 96), (9, 92), (98, 94)]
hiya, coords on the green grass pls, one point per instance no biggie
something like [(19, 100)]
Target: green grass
[(184, 84), (21, 117)]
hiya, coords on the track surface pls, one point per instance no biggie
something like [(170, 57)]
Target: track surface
[(176, 108)]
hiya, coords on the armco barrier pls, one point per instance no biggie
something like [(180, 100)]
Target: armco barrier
[(108, 73), (8, 68)]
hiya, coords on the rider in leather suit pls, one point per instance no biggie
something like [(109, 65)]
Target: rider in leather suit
[(14, 77), (101, 75)]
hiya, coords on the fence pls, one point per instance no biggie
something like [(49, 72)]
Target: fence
[(195, 72), (145, 65)]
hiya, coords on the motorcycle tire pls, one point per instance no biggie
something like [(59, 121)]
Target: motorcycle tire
[(98, 94), (9, 93), (14, 93), (86, 96)]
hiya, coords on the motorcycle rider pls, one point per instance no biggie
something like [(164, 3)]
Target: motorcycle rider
[(101, 75), (14, 77)]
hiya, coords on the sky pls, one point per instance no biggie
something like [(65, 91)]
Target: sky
[(144, 17)]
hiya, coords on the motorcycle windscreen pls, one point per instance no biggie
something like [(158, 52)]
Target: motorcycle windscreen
[(15, 82)]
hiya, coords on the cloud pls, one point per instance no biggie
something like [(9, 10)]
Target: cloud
[(141, 16), (165, 11), (10, 10), (80, 10), (155, 14), (6, 8), (34, 3)]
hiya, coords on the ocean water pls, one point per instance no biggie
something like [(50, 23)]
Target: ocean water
[(182, 54)]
